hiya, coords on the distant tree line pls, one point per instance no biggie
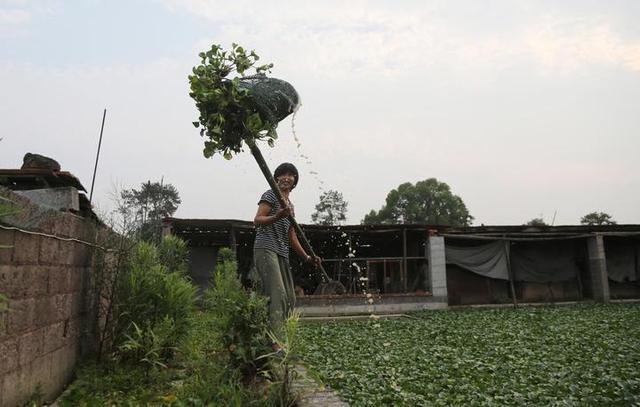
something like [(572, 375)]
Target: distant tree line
[(429, 201), (591, 219)]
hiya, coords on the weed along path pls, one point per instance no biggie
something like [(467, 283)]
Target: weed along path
[(310, 394), (569, 355)]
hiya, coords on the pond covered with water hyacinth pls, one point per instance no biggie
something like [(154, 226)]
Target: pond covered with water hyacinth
[(564, 355)]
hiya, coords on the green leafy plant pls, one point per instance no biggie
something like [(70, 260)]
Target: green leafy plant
[(173, 254), (280, 373), (37, 397), (110, 384), (572, 355), (167, 352), (241, 317), (227, 112), (154, 308), (7, 209), (149, 343), (199, 375)]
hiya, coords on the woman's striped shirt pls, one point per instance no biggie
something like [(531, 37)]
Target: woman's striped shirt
[(275, 236)]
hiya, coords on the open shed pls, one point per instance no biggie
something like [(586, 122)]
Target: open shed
[(407, 267)]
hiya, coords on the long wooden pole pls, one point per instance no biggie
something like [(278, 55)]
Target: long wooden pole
[(257, 154)]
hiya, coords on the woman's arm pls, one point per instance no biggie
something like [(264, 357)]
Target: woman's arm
[(297, 247), (263, 218)]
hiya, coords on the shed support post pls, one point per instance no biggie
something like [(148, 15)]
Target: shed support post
[(437, 267), (507, 250), (232, 242), (166, 228), (598, 269), (404, 260)]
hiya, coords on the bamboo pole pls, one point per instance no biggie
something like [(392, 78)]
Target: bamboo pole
[(257, 154)]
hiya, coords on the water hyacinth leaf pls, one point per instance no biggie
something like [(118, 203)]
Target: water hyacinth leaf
[(579, 355), (235, 109)]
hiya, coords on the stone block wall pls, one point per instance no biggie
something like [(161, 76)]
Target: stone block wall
[(44, 278)]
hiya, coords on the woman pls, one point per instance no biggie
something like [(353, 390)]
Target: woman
[(274, 236)]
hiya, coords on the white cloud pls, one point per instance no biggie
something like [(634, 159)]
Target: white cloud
[(12, 17), (567, 46), (390, 95), (338, 39)]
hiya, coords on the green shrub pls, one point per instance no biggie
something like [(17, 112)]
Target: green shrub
[(154, 308), (204, 378), (149, 344), (173, 254), (279, 372), (214, 384), (241, 317), (112, 384)]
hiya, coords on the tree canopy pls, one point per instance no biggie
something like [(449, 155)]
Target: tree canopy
[(537, 222), (147, 206), (429, 201), (331, 210), (597, 218)]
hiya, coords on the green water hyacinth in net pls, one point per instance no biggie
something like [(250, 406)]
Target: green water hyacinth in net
[(245, 107)]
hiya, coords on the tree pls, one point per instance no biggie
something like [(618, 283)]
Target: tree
[(429, 201), (537, 222), (331, 210), (147, 207), (597, 218)]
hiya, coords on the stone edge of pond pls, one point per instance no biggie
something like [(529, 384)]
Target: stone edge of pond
[(310, 393)]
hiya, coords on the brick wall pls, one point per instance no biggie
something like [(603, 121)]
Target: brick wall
[(45, 279)]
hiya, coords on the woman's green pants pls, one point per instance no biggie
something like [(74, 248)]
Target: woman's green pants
[(277, 285)]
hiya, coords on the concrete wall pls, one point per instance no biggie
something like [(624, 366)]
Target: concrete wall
[(202, 262), (598, 268), (437, 267), (44, 279)]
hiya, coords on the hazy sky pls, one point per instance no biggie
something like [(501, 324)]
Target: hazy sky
[(524, 108)]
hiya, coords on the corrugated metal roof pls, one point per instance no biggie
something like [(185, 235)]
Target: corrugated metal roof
[(33, 178), (490, 231)]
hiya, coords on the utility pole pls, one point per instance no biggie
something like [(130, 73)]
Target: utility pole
[(95, 169)]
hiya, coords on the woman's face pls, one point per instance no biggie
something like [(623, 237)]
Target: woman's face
[(285, 181)]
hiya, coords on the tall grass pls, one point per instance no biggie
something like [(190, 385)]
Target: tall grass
[(154, 308), (168, 352), (241, 317)]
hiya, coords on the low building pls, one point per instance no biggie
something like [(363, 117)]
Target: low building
[(411, 267)]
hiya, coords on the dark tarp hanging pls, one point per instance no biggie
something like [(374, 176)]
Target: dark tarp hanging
[(488, 260), (543, 262), (538, 262), (622, 255)]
